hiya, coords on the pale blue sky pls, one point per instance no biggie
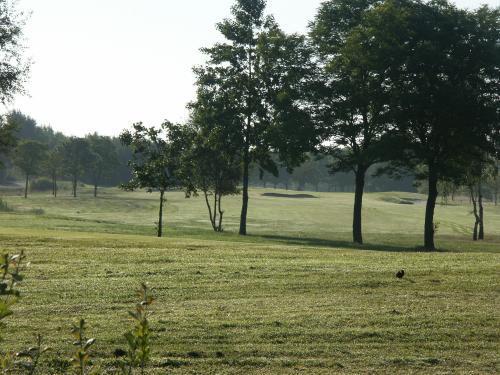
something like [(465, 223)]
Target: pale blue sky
[(100, 65)]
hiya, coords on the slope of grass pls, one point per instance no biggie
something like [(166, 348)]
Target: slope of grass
[(232, 307), (295, 296)]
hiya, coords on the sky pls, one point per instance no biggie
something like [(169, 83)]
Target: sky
[(102, 65)]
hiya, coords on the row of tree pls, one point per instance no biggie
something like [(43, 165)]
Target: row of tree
[(39, 151), (42, 153), (75, 157), (409, 83)]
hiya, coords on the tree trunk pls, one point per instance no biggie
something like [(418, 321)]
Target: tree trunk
[(54, 185), (75, 183), (357, 234), (474, 211), (481, 211), (496, 182), (209, 210), (221, 214), (429, 229), (244, 208), (160, 214), (26, 187), (95, 190)]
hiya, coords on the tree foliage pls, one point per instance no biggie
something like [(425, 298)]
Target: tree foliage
[(252, 83), (76, 156), (29, 157), (351, 98), (104, 159), (210, 167), (14, 67), (156, 159)]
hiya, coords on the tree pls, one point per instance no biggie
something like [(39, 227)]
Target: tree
[(442, 76), (495, 156), (475, 187), (76, 157), (29, 156), (351, 101), (27, 128), (210, 166), (53, 166), (253, 82), (7, 136), (14, 68), (477, 174), (155, 162), (104, 158)]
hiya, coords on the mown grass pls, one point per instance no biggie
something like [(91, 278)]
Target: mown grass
[(322, 221), (293, 297)]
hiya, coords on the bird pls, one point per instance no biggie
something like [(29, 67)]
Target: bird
[(119, 353), (400, 274)]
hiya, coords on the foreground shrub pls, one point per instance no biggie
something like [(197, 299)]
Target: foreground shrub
[(10, 268), (81, 357), (136, 357), (139, 350), (31, 357)]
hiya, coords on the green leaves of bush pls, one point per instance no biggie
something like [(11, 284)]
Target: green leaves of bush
[(10, 268), (83, 344), (139, 350)]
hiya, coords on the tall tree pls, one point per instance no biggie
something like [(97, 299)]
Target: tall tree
[(104, 158), (14, 68), (210, 167), (53, 166), (443, 77), (156, 154), (29, 156), (351, 100), (253, 79), (76, 157)]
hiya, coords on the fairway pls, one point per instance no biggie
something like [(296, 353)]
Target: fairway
[(294, 296), (325, 220)]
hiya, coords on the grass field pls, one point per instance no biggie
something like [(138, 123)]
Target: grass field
[(295, 296)]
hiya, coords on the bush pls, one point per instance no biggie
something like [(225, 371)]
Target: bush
[(41, 184)]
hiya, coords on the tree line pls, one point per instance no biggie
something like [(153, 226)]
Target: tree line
[(39, 151), (313, 174)]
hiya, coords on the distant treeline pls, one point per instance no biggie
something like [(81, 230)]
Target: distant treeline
[(312, 175), (117, 172)]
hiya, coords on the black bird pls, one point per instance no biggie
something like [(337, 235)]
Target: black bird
[(119, 353), (400, 274)]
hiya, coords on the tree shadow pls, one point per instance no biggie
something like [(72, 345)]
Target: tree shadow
[(322, 242)]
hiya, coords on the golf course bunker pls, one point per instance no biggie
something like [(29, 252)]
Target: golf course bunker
[(295, 196)]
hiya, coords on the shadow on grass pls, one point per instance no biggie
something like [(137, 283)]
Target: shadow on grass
[(321, 242)]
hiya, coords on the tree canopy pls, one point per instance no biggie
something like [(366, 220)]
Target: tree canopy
[(251, 84)]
